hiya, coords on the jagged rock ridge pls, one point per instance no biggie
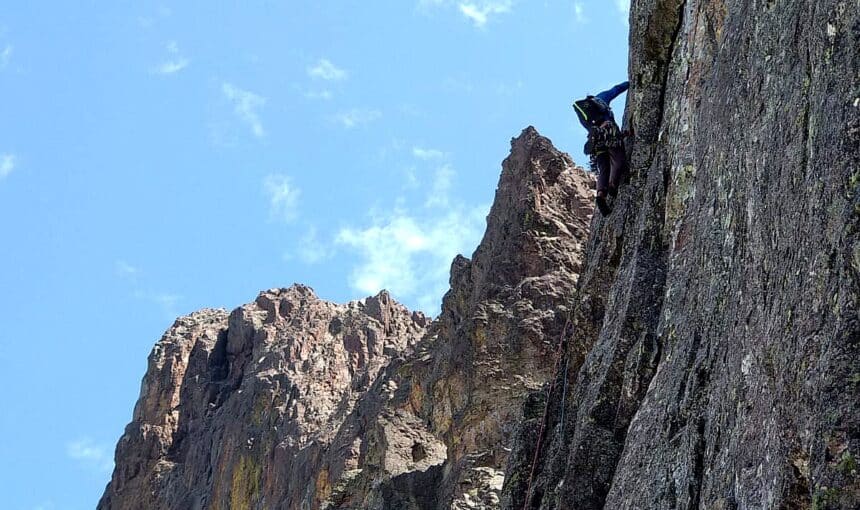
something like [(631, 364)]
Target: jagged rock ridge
[(715, 361), (292, 402), (233, 406)]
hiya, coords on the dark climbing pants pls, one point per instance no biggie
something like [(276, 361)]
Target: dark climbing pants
[(613, 167)]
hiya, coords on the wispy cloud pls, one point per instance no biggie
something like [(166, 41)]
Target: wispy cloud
[(166, 301), (579, 12), (132, 275), (356, 117), (452, 84), (5, 56), (125, 270), (89, 454), (319, 94), (623, 7), (175, 63), (411, 256), (439, 192), (7, 164), (325, 70), (425, 154), (479, 13), (313, 250), (283, 197), (172, 66), (245, 105), (509, 89)]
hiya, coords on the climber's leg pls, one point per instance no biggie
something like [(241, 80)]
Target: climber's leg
[(604, 166), (618, 169)]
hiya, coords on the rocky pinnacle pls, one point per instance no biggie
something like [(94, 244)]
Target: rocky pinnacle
[(291, 402)]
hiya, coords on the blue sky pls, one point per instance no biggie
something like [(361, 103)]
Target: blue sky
[(158, 158)]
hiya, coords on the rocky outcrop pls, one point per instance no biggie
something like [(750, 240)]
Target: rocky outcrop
[(236, 411), (496, 338), (292, 402), (715, 359)]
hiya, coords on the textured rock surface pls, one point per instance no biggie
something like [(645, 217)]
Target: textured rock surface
[(715, 361), (496, 338), (292, 402), (236, 410)]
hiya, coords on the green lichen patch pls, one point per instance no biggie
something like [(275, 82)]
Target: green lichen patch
[(246, 483)]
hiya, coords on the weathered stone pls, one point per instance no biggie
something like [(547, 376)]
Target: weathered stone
[(237, 411), (715, 351), (292, 402)]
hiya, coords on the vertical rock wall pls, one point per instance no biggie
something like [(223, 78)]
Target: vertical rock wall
[(715, 361)]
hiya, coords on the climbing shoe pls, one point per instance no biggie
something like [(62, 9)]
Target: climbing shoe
[(603, 205)]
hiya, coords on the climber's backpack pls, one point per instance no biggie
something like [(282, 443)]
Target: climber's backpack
[(592, 111)]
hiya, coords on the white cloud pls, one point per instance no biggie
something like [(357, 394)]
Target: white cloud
[(245, 105), (7, 164), (623, 7), (311, 249), (89, 454), (410, 256), (411, 177), (451, 84), (283, 197), (425, 154), (509, 89), (319, 94), (126, 270), (167, 301), (131, 274), (479, 14), (579, 12), (175, 63), (356, 117), (325, 70), (438, 195), (172, 66), (5, 56)]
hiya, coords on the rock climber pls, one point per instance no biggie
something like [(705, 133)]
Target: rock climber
[(605, 144)]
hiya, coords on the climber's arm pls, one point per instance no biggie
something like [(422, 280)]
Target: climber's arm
[(609, 95)]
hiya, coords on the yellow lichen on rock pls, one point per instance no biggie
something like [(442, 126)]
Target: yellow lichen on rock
[(245, 487)]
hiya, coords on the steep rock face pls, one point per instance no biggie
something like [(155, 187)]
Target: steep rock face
[(236, 410), (715, 359), (494, 342), (292, 402), (502, 321)]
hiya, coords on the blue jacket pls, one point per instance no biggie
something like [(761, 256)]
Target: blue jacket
[(608, 95)]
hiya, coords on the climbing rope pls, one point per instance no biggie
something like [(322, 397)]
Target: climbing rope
[(564, 394), (559, 350)]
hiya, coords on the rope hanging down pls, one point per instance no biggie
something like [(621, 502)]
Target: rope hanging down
[(558, 353)]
